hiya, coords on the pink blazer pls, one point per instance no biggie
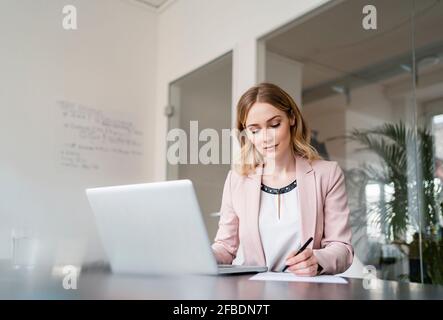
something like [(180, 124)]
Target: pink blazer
[(324, 216)]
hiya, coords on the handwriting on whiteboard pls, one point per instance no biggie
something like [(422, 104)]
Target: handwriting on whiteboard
[(89, 137)]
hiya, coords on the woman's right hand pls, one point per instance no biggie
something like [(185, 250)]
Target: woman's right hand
[(303, 264)]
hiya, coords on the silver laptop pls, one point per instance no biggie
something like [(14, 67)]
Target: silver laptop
[(156, 228)]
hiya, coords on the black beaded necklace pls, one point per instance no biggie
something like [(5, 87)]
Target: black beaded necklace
[(279, 191)]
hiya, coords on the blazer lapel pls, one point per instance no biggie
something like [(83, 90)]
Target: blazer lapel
[(307, 199), (252, 208)]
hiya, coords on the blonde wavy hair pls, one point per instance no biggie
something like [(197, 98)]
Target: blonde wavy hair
[(270, 93)]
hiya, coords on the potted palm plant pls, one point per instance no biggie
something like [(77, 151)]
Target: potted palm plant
[(407, 167)]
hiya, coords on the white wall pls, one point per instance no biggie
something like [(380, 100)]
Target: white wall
[(107, 64), (194, 32), (286, 73)]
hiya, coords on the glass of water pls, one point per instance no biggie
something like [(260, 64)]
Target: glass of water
[(24, 249)]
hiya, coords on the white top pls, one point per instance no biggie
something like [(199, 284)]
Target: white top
[(279, 236)]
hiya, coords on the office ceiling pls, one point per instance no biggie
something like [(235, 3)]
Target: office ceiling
[(333, 44)]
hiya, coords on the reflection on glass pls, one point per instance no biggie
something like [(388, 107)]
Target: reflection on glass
[(379, 113)]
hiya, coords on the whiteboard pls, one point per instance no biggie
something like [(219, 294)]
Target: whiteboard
[(89, 137)]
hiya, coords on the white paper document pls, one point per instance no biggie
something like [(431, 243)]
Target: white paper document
[(288, 276)]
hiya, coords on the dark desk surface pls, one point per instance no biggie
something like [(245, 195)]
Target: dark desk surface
[(40, 284)]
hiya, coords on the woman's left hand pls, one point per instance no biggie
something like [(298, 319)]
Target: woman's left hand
[(303, 264)]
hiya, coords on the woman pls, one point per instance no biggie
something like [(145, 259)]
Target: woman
[(281, 193)]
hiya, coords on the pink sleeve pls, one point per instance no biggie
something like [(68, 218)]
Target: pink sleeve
[(336, 254), (226, 241)]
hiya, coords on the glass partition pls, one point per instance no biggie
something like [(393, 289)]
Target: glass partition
[(369, 83)]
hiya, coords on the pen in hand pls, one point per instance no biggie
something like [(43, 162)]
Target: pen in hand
[(299, 251)]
